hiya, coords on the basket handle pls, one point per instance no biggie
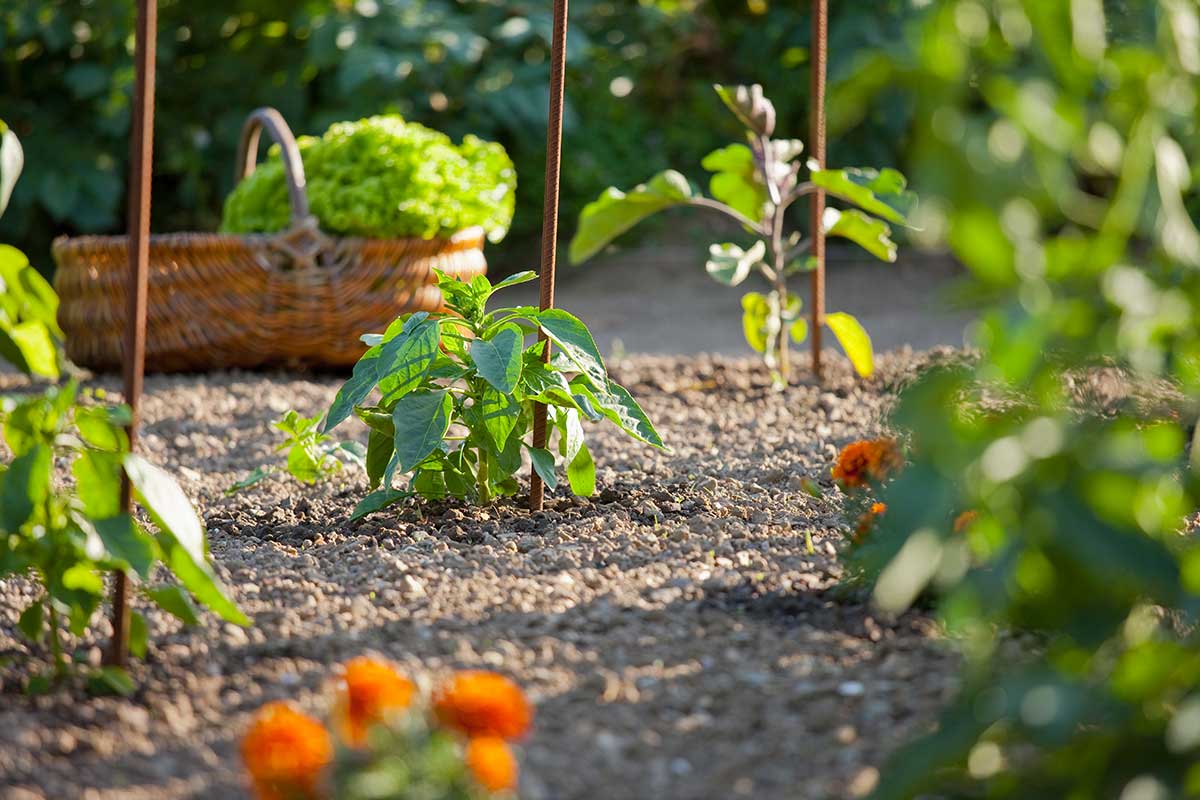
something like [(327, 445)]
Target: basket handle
[(293, 167)]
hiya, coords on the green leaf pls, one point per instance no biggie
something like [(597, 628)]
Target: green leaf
[(618, 406), (854, 341), (750, 106), (543, 464), (139, 635), (12, 159), (97, 427), (755, 310), (736, 180), (98, 482), (872, 235), (257, 476), (498, 359), (730, 264), (174, 601), (377, 501), (406, 359), (31, 621), (182, 535), (421, 419), (34, 343), (110, 681), (576, 342), (798, 330), (500, 413), (354, 391), (581, 473), (882, 193), (615, 212), (26, 483), (513, 280), (306, 463), (127, 542), (381, 447)]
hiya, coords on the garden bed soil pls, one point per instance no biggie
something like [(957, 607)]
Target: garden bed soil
[(677, 637)]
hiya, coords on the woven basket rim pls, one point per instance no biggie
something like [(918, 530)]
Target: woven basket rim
[(464, 236)]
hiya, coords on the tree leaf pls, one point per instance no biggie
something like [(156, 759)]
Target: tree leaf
[(581, 473), (543, 464), (882, 193), (498, 359), (421, 419), (126, 541), (174, 601), (855, 341), (730, 264), (873, 235), (615, 212), (574, 339)]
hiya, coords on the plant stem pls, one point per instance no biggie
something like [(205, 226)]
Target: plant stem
[(481, 474), (716, 205), (55, 644), (777, 250)]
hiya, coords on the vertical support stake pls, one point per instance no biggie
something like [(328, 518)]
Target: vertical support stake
[(140, 166), (558, 60), (820, 63)]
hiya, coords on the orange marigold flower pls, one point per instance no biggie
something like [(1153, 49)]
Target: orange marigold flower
[(492, 763), (286, 752), (867, 520), (867, 460), (965, 520), (481, 703), (370, 690)]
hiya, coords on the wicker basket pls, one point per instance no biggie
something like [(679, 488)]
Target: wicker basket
[(298, 297)]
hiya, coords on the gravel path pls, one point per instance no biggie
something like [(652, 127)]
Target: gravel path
[(678, 640)]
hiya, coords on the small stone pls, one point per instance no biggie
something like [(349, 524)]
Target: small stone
[(851, 689)]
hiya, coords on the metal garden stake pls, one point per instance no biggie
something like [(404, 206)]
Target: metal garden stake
[(558, 58), (820, 58), (141, 153)]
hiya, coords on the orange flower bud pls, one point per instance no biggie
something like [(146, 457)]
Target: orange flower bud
[(481, 703), (492, 763), (371, 690)]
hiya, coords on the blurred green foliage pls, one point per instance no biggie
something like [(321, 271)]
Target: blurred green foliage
[(1051, 144), (638, 96)]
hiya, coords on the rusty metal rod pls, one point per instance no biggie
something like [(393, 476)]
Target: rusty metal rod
[(140, 167), (558, 63), (820, 63)]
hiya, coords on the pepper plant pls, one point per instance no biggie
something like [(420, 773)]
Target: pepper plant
[(755, 184), (457, 388), (312, 455), (68, 536)]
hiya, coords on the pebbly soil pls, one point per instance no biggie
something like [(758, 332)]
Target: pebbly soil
[(676, 636)]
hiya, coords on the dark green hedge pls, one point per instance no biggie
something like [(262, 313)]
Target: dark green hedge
[(461, 66)]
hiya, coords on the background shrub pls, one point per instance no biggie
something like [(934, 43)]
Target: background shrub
[(639, 96)]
